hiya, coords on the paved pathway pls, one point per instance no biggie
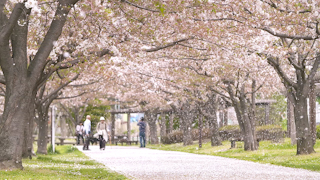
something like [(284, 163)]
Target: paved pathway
[(148, 164)]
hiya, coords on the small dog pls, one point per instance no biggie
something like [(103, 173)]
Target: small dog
[(94, 140)]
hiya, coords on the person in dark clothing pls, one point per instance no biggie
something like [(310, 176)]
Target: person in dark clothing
[(142, 132)]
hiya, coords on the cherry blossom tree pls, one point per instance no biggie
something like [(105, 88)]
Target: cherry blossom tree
[(32, 52)]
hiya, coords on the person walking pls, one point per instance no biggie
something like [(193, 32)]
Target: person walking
[(87, 131), (79, 131), (142, 132), (102, 130)]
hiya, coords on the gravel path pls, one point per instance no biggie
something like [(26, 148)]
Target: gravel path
[(148, 164)]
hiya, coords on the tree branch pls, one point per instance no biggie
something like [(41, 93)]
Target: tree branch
[(273, 5), (282, 35), (167, 45), (276, 66), (70, 97), (55, 92), (38, 64)]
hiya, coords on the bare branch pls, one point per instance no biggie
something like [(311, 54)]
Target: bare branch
[(281, 73), (70, 97), (140, 7), (282, 35), (167, 45), (273, 5), (55, 92)]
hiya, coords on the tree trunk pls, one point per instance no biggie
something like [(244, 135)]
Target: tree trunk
[(21, 77), (12, 126), (211, 116), (247, 130), (312, 114), (291, 125), (43, 132), (250, 142), (304, 138), (113, 120), (152, 119), (200, 130), (221, 114), (28, 134), (186, 124), (171, 117), (163, 127), (129, 127), (186, 129), (225, 116), (63, 125)]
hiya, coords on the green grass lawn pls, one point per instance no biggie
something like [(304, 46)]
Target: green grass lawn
[(67, 163), (283, 154)]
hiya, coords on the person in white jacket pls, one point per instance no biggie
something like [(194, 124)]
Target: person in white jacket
[(79, 132), (102, 130), (86, 132)]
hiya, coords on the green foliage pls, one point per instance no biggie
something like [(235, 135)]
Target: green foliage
[(318, 131), (96, 111), (318, 99), (277, 113), (70, 163), (283, 154), (50, 150), (176, 124)]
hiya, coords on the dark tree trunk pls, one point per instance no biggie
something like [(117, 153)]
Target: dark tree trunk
[(186, 129), (21, 78), (163, 127), (129, 127), (312, 114), (43, 132), (28, 134), (250, 142), (13, 125), (200, 130), (113, 120), (291, 125), (246, 126), (186, 118), (304, 138), (18, 95), (151, 117), (171, 117), (221, 114), (297, 92), (210, 113)]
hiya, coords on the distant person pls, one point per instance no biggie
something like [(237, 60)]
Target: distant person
[(102, 130), (142, 132), (87, 131), (79, 132)]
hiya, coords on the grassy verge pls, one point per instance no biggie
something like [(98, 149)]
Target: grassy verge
[(283, 154), (67, 163)]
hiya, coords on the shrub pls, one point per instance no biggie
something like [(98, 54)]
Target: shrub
[(318, 131), (274, 133), (177, 136), (174, 137), (267, 132), (230, 131)]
